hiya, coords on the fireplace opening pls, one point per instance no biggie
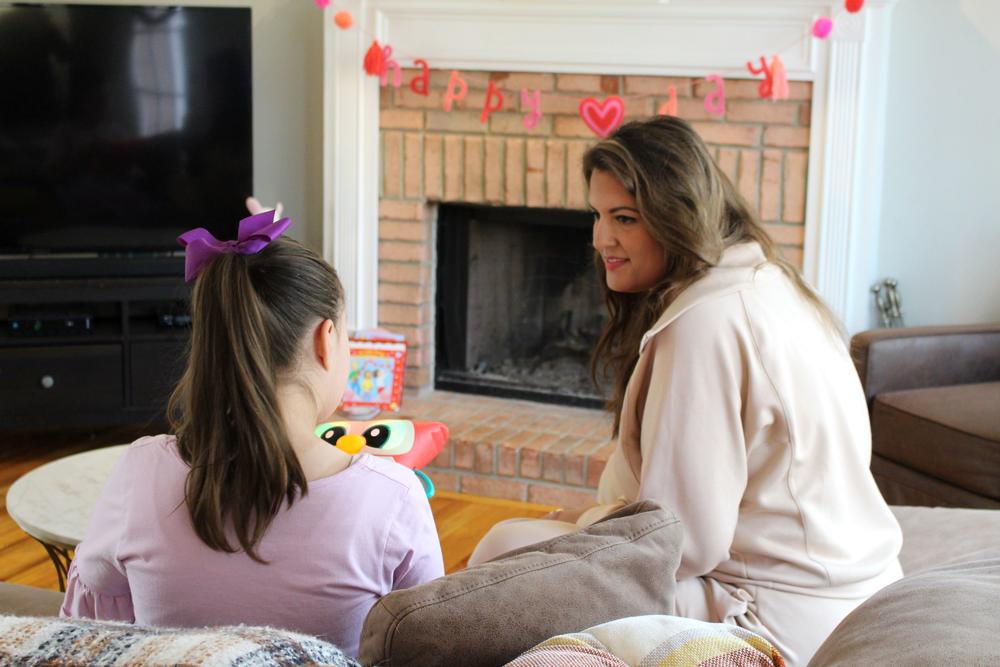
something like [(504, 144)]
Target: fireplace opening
[(519, 305)]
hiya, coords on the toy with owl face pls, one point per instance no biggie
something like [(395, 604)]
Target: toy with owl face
[(412, 444)]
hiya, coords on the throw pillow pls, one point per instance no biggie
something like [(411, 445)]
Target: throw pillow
[(945, 616), (488, 614), (654, 640)]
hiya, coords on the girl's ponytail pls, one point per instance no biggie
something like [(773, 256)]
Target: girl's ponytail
[(250, 314)]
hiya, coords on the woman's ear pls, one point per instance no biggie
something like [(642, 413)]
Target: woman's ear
[(325, 343)]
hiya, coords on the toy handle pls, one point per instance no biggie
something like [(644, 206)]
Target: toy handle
[(426, 482)]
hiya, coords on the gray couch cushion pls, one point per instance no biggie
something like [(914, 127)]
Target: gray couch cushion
[(490, 613), (943, 616), (949, 433), (19, 600), (902, 486), (936, 536)]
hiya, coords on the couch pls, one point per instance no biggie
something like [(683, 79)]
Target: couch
[(946, 606), (934, 398)]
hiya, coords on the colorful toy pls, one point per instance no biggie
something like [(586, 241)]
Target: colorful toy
[(412, 444), (378, 368)]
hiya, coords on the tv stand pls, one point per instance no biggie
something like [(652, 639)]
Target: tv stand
[(121, 372), (13, 267)]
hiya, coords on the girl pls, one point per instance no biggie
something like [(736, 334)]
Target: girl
[(244, 516), (736, 403)]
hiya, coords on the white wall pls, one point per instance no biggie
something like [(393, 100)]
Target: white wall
[(288, 110), (287, 104), (940, 226)]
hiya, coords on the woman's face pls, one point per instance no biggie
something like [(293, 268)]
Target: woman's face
[(633, 260)]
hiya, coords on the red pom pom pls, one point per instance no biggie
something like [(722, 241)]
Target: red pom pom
[(854, 6), (344, 20), (374, 59)]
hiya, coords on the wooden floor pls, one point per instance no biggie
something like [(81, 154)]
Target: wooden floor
[(461, 519)]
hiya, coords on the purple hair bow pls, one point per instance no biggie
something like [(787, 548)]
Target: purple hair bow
[(255, 233)]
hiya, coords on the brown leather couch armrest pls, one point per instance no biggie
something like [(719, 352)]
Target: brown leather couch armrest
[(918, 357)]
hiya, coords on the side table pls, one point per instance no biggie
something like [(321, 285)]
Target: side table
[(53, 502)]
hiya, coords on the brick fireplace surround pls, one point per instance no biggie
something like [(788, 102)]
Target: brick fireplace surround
[(515, 449)]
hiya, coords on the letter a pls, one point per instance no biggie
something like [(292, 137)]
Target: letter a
[(715, 101), (421, 83)]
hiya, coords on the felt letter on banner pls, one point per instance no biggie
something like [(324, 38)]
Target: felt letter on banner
[(765, 87), (457, 89), (389, 62), (715, 101), (602, 117), (421, 83), (493, 102), (779, 82), (532, 101), (669, 108)]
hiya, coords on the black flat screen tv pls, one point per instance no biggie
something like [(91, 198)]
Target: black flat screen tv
[(121, 127)]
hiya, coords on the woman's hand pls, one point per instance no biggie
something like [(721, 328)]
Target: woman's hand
[(567, 515)]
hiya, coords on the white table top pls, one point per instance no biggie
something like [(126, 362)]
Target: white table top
[(53, 502)]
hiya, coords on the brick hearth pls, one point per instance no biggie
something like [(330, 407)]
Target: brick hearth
[(517, 450)]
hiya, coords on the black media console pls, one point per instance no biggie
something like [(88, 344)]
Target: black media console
[(88, 351)]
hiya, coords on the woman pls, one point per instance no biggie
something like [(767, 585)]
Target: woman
[(736, 403)]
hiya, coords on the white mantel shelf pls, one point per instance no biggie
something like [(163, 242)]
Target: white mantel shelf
[(648, 37)]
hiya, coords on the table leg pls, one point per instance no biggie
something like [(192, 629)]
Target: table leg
[(61, 558)]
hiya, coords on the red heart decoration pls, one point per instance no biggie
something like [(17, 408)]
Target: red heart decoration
[(602, 117)]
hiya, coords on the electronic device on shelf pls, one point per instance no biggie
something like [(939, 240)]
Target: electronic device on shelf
[(50, 323)]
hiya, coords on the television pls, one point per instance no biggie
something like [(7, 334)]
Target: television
[(121, 127)]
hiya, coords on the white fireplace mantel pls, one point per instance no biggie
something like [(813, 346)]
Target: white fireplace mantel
[(651, 37)]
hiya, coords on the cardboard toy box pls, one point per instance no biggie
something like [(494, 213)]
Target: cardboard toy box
[(377, 370)]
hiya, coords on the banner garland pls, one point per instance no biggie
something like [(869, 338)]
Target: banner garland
[(601, 116)]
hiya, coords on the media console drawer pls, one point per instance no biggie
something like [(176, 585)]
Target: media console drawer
[(72, 379), (156, 368)]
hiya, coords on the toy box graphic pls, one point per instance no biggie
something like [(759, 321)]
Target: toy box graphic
[(377, 370)]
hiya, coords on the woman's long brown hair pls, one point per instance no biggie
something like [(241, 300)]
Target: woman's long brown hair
[(250, 314), (691, 208)]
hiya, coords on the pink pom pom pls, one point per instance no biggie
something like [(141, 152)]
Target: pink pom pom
[(822, 27), (322, 4)]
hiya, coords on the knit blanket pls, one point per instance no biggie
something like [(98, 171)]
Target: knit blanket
[(654, 641), (71, 642)]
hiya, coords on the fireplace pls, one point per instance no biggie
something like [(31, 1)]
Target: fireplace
[(518, 305)]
